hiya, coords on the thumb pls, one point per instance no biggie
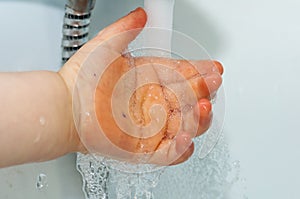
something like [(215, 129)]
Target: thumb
[(131, 23), (134, 21)]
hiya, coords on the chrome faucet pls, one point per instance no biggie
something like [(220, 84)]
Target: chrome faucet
[(81, 5), (76, 26)]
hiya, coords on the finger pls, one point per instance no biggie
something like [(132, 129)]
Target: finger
[(171, 151), (204, 115), (206, 87), (204, 76), (187, 68), (200, 67), (212, 84), (131, 23), (183, 142), (185, 156), (219, 67), (109, 51)]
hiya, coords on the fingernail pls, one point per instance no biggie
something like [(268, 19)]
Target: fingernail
[(218, 67), (134, 10), (205, 105)]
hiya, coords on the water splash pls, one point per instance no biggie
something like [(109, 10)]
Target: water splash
[(42, 121), (210, 177), (42, 181), (107, 178), (94, 174), (124, 185), (203, 178)]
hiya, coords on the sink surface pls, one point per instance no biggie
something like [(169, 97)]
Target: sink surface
[(259, 49)]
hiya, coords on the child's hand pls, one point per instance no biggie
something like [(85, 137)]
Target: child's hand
[(129, 128)]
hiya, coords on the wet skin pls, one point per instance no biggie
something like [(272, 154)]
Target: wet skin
[(204, 81), (145, 97)]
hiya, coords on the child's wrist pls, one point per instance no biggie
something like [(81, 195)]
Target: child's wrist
[(74, 139)]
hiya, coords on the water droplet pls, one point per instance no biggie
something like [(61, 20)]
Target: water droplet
[(87, 117), (150, 95), (185, 139), (142, 146), (37, 138), (42, 121), (146, 152), (236, 164), (214, 69), (178, 62), (41, 181), (156, 97)]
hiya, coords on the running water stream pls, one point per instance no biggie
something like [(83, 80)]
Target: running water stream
[(106, 178)]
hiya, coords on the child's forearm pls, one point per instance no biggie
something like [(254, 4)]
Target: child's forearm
[(35, 119)]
